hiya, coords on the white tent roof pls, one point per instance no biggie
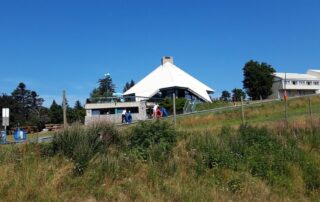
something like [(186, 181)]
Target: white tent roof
[(166, 76)]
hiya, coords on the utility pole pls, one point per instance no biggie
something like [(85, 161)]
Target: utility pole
[(285, 98), (64, 103), (310, 112), (174, 108), (242, 111)]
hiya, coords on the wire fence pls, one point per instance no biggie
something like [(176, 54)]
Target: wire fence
[(296, 111)]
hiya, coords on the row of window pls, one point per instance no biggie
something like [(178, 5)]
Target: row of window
[(133, 110), (301, 83)]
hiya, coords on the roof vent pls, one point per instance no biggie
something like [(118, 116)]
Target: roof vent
[(167, 59)]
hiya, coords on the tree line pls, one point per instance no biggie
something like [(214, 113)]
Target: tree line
[(257, 82), (26, 106), (26, 109)]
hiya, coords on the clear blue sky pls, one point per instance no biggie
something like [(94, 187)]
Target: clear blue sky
[(56, 45)]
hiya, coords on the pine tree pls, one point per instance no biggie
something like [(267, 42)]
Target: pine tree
[(55, 113), (29, 104), (106, 88), (128, 85), (79, 112)]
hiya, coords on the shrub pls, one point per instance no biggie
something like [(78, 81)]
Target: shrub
[(311, 175), (81, 143), (212, 151), (152, 139), (251, 149), (168, 104), (264, 155)]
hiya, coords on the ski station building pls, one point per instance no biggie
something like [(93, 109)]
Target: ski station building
[(163, 82)]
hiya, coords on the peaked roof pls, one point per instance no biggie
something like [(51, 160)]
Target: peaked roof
[(166, 76)]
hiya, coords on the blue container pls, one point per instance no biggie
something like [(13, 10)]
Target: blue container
[(3, 137), (20, 135)]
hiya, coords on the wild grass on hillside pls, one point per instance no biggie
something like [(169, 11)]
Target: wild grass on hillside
[(154, 162), (264, 114)]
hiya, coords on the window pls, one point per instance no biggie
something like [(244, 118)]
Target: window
[(287, 82), (309, 83), (316, 83), (294, 82)]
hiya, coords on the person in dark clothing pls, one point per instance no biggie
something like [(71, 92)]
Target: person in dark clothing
[(123, 116)]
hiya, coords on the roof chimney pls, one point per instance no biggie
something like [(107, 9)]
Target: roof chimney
[(167, 59)]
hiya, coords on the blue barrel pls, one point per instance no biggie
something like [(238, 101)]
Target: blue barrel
[(3, 137), (20, 135)]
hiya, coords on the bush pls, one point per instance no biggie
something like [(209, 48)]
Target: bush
[(251, 150), (152, 139), (168, 104), (81, 143), (311, 175), (264, 155), (212, 151)]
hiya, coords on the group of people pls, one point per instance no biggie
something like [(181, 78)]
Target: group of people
[(159, 112), (126, 116)]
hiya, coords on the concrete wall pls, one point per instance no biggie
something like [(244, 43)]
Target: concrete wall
[(114, 118)]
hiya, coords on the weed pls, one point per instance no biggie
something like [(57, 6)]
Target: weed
[(80, 144), (152, 140)]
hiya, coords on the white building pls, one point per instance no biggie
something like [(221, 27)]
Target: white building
[(169, 78), (295, 84), (160, 83)]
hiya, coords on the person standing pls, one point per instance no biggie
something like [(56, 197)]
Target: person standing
[(155, 111), (129, 118), (123, 116), (158, 113)]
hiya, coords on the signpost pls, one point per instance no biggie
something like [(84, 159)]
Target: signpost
[(5, 123), (5, 117)]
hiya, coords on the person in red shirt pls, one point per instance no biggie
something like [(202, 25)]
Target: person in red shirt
[(158, 113)]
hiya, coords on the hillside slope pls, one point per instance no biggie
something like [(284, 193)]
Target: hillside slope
[(208, 157)]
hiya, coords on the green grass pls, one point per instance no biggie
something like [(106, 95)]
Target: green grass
[(32, 136), (214, 104), (208, 157), (258, 114)]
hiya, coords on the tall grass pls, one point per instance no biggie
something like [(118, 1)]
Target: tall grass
[(81, 143), (153, 161), (152, 140), (257, 151)]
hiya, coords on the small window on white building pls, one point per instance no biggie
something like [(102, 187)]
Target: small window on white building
[(309, 83), (287, 82), (316, 83), (294, 82)]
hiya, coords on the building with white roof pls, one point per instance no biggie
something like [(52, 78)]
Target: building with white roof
[(295, 84), (165, 80), (138, 100)]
